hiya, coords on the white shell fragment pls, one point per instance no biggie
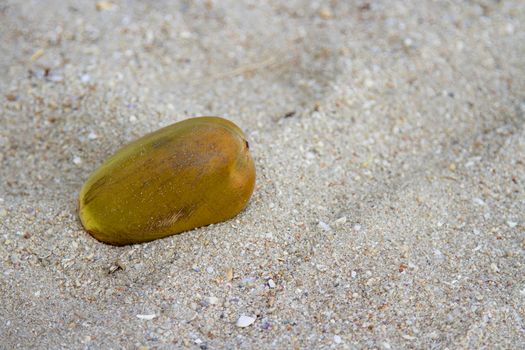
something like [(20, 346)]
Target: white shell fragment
[(245, 321), (146, 317)]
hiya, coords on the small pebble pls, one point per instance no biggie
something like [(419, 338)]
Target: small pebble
[(271, 283), (229, 274), (55, 78), (337, 339), (146, 317), (324, 226), (265, 324), (92, 136), (512, 224), (245, 321), (248, 280), (104, 5), (213, 300), (340, 222), (77, 160), (38, 53), (11, 97), (321, 268), (478, 201), (438, 254), (325, 13)]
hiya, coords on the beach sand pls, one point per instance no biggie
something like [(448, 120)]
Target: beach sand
[(389, 143)]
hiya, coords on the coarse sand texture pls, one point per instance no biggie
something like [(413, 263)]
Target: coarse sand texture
[(389, 142)]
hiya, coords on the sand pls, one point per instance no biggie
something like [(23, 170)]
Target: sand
[(389, 143)]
